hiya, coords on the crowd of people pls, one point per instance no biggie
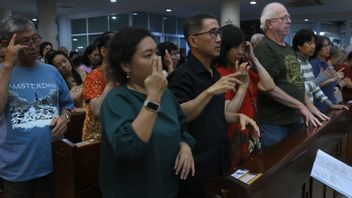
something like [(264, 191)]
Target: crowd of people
[(166, 123)]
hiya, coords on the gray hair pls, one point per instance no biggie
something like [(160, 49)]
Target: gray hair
[(14, 24), (268, 14), (256, 37)]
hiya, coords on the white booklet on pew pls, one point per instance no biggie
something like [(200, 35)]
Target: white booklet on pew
[(333, 173)]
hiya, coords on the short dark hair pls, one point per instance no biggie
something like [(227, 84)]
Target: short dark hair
[(122, 48), (43, 45), (301, 37), (88, 51), (169, 46), (194, 24), (319, 42), (232, 36)]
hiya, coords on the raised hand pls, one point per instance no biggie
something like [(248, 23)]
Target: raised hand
[(11, 53), (248, 52), (168, 61), (328, 72), (340, 74), (242, 70), (156, 83), (225, 83)]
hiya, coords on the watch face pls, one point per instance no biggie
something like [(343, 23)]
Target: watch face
[(153, 106)]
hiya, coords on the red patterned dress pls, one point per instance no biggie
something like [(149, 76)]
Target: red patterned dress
[(93, 86), (240, 138)]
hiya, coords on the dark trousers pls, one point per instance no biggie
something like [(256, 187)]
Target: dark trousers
[(27, 189)]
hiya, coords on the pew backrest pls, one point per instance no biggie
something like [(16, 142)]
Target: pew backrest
[(76, 169), (75, 127)]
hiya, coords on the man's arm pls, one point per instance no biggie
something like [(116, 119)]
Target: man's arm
[(282, 97), (193, 108), (314, 110), (11, 57)]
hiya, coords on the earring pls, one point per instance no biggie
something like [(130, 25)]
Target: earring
[(127, 75)]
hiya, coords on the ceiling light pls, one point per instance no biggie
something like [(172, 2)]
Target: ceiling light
[(34, 19), (306, 20), (113, 1), (168, 10), (113, 17), (75, 39), (135, 14), (253, 2), (165, 18)]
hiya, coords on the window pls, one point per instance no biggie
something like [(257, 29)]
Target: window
[(98, 24), (155, 22), (170, 25), (140, 19), (117, 22), (78, 26), (79, 43)]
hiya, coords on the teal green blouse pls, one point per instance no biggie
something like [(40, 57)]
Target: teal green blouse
[(129, 166)]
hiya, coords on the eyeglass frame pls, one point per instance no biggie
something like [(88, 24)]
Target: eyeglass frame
[(35, 39), (285, 18), (214, 33)]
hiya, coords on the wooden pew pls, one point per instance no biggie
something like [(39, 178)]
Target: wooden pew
[(75, 127), (76, 169), (286, 166)]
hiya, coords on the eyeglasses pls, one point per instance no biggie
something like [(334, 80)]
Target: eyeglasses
[(29, 40), (285, 18), (214, 33)]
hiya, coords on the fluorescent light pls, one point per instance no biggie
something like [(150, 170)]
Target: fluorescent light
[(80, 47), (113, 1), (168, 10), (135, 14), (34, 19), (75, 39), (306, 20), (253, 2), (114, 17)]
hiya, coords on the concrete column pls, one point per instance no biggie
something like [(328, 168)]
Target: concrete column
[(230, 12), (47, 25), (4, 13), (65, 32)]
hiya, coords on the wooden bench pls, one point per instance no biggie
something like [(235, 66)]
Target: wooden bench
[(76, 169), (75, 127), (287, 165)]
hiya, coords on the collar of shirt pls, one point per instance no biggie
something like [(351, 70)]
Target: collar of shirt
[(301, 57), (198, 66)]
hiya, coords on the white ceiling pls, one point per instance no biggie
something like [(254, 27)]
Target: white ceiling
[(330, 9)]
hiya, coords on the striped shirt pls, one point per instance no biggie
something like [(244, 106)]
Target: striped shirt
[(311, 84)]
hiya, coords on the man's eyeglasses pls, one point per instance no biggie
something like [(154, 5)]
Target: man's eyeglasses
[(285, 18), (214, 33), (29, 40)]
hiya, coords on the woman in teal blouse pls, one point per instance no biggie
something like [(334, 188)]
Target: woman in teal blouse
[(145, 147)]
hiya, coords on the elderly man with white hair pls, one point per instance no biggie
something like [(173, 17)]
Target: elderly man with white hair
[(280, 112)]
